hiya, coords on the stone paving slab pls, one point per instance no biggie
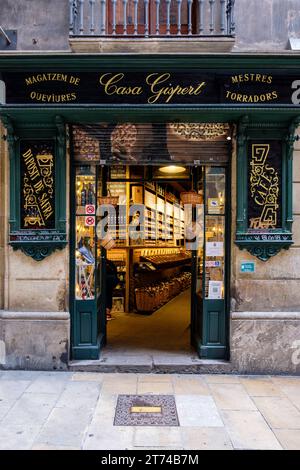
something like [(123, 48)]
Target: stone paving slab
[(231, 397), (79, 395), (260, 387), (32, 409), (158, 437), (65, 427), (110, 437), (197, 410), (205, 438), (249, 431), (76, 410), (288, 438), (18, 437), (11, 390), (279, 412)]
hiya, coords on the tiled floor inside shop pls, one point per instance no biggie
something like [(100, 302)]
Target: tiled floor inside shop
[(66, 410), (166, 330)]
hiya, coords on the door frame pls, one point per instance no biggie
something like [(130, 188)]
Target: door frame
[(92, 348)]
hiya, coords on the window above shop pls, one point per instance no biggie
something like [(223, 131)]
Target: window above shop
[(151, 25)]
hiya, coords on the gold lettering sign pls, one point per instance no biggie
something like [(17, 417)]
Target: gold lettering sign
[(198, 131), (158, 84), (251, 81), (45, 78), (37, 170)]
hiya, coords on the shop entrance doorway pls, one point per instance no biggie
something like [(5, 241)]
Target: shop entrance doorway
[(150, 263), (148, 266)]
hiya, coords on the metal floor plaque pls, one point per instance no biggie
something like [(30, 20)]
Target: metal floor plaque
[(146, 410)]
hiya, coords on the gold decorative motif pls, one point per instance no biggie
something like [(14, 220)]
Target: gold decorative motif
[(33, 213), (45, 162), (123, 139), (38, 188), (199, 131), (264, 187)]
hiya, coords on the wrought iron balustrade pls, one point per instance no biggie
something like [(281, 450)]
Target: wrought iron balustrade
[(152, 18)]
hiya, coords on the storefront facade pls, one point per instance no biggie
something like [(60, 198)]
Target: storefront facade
[(250, 107)]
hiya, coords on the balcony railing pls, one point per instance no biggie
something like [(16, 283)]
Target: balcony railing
[(152, 18)]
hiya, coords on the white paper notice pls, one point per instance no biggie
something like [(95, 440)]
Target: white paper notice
[(214, 249), (215, 289)]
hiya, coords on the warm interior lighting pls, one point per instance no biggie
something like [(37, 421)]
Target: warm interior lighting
[(172, 169)]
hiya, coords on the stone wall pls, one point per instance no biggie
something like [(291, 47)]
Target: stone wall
[(261, 25), (34, 308), (41, 24), (275, 284), (265, 305), (2, 213), (266, 25)]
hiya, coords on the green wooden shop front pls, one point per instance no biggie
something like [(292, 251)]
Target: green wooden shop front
[(247, 92)]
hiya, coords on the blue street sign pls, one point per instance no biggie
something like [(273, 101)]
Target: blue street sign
[(247, 267)]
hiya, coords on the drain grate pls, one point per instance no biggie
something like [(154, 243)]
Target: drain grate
[(146, 410)]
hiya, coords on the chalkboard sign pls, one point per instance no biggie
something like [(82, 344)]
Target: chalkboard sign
[(37, 161), (264, 184)]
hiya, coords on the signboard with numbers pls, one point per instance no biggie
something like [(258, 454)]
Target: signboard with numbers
[(264, 184)]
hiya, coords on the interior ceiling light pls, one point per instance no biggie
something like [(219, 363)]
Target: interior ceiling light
[(172, 169)]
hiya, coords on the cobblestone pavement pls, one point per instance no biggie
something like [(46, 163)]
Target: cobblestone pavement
[(67, 410)]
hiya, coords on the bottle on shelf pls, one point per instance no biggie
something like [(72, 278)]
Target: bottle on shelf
[(83, 197), (83, 288), (90, 195)]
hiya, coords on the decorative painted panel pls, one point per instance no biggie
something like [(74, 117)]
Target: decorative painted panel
[(37, 162), (264, 187), (37, 188), (264, 184)]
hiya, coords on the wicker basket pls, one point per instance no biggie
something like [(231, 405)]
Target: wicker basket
[(145, 302), (108, 200), (108, 242), (191, 197)]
